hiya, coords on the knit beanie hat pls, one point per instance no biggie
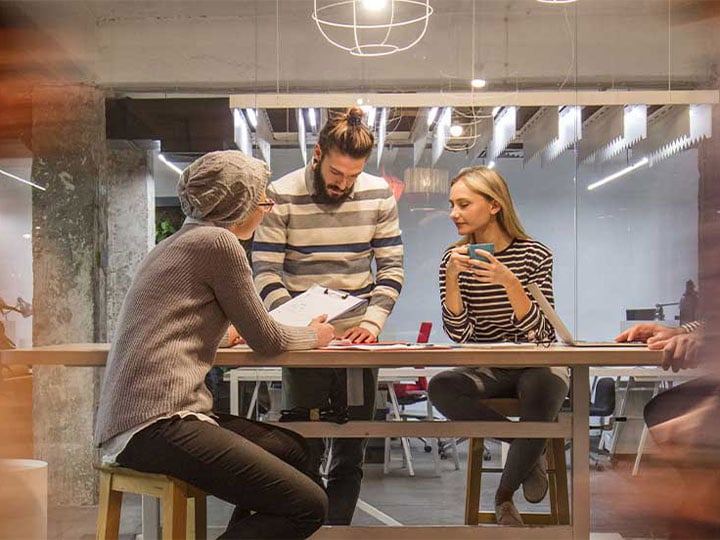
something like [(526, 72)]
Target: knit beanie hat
[(222, 187)]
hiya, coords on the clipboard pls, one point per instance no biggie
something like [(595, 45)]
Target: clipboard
[(317, 300)]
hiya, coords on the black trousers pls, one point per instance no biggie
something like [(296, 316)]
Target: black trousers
[(681, 400), (322, 388), (261, 469)]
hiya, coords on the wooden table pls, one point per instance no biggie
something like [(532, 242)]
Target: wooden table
[(574, 426)]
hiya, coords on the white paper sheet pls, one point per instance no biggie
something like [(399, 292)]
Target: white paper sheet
[(316, 301)]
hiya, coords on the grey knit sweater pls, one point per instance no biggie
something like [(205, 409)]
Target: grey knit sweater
[(177, 310)]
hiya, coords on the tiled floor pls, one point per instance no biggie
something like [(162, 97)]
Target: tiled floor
[(423, 499)]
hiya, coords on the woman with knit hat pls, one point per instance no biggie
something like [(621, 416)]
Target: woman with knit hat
[(155, 411)]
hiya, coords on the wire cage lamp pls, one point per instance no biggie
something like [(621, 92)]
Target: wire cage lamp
[(372, 27), (474, 127)]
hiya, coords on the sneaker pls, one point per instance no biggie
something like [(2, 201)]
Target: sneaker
[(535, 486), (507, 514)]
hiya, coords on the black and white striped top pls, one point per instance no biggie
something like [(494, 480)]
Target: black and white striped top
[(488, 315)]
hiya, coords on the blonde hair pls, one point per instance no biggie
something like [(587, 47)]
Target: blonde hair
[(492, 186), (346, 133)]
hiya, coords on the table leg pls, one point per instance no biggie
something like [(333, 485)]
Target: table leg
[(433, 442), (403, 440), (253, 400), (643, 437), (617, 426), (234, 393), (580, 516), (150, 518)]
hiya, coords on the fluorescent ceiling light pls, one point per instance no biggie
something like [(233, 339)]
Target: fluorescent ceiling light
[(615, 176), (252, 117), (311, 117), (302, 140), (478, 83), (370, 113), (431, 115), (382, 130), (28, 182), (170, 165)]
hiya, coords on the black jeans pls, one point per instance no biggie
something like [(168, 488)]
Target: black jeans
[(457, 393), (259, 468), (311, 388)]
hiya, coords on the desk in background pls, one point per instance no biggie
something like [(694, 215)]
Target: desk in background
[(387, 378)]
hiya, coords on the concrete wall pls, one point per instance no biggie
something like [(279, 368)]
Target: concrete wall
[(249, 46)]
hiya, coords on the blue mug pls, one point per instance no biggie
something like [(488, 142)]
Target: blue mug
[(490, 248)]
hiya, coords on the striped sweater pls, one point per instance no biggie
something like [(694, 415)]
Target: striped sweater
[(178, 307), (488, 315), (301, 243)]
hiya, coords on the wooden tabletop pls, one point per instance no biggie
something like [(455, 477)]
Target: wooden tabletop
[(95, 354)]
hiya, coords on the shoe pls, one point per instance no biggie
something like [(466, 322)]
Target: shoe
[(507, 514), (535, 486)]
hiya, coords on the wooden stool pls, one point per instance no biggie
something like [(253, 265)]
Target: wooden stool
[(178, 499), (557, 477)]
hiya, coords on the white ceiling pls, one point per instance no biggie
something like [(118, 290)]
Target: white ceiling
[(221, 47)]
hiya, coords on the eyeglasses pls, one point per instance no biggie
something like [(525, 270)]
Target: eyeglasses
[(514, 338), (266, 205)]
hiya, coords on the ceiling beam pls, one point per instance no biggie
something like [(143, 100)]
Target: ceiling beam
[(479, 99)]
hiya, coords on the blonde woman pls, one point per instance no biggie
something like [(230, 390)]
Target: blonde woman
[(487, 301)]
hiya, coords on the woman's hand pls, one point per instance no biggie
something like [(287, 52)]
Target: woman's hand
[(492, 271), (325, 332), (459, 261), (234, 338)]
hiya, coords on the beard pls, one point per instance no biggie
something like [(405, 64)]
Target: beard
[(322, 195)]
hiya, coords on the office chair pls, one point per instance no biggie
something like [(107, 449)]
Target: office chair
[(416, 392), (411, 393), (602, 407)]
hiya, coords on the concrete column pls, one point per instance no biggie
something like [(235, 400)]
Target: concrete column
[(91, 228), (68, 155), (129, 207)]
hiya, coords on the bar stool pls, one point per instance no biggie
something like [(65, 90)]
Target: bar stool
[(179, 500), (557, 476)]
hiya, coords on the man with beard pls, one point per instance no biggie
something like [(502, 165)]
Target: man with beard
[(329, 222)]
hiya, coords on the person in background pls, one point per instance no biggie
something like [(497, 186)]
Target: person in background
[(155, 410), (331, 222), (682, 422), (487, 301)]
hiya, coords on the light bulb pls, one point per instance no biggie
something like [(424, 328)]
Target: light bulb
[(374, 5), (456, 130), (478, 83)]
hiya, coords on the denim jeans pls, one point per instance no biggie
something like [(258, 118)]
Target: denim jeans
[(321, 388), (261, 469)]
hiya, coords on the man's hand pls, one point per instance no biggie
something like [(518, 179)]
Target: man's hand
[(649, 333), (358, 334), (679, 352), (325, 332)]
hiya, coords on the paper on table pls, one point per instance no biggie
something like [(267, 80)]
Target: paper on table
[(377, 347), (302, 309)]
